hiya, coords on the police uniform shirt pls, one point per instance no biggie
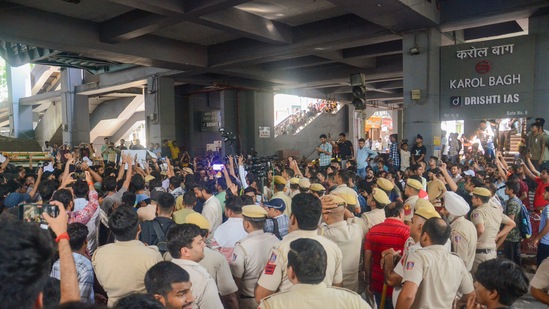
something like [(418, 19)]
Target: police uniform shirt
[(287, 200), (120, 267), (203, 285), (216, 265), (464, 240), (348, 237), (369, 219), (275, 276), (314, 296), (540, 280), (249, 258), (409, 206), (440, 275), (491, 218)]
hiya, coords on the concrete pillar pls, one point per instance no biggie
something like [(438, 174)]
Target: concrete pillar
[(422, 71), (160, 110), (19, 86), (75, 109), (539, 26)]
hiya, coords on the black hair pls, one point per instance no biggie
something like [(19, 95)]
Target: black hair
[(181, 235), (166, 202), (80, 305), (234, 203), (189, 198), (124, 223), (307, 209), (137, 183), (222, 183), (344, 175), (128, 199), (308, 260), (504, 276), (393, 210), (247, 200), (438, 230), (64, 196), (109, 183), (26, 253), (322, 136), (155, 183), (361, 140), (290, 172), (80, 188), (52, 293), (46, 189), (160, 277), (175, 181), (513, 186), (207, 186), (138, 301), (78, 234), (279, 187)]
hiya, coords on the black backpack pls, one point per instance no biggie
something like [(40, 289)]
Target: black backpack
[(162, 241)]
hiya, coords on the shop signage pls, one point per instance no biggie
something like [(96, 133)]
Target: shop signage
[(490, 79), (210, 121)]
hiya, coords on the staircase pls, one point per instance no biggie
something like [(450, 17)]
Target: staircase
[(509, 156)]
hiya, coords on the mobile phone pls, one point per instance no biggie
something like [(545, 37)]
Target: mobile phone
[(217, 167), (32, 212)]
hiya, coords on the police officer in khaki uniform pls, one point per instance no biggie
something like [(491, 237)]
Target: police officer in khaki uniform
[(317, 190), (347, 235), (464, 233), (279, 186), (294, 189), (487, 220), (307, 263), (432, 275), (412, 189), (251, 254), (377, 202), (306, 213)]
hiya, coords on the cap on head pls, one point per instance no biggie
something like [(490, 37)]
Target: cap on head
[(385, 184), (276, 203), (254, 212), (381, 197), (482, 192), (425, 209), (316, 187), (304, 183), (279, 180), (198, 219), (294, 181), (455, 204), (148, 178), (348, 198), (338, 200), (414, 184)]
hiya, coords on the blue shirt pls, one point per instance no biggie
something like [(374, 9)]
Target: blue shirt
[(15, 198), (544, 216), (325, 159), (362, 155), (283, 225)]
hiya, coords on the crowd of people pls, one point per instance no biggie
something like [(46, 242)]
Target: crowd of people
[(300, 118), (349, 230)]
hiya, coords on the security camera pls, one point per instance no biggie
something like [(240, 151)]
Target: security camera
[(414, 51)]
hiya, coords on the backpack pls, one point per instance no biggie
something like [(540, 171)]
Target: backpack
[(162, 243), (525, 226)]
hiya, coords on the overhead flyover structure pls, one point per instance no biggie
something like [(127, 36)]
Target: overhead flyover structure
[(303, 47)]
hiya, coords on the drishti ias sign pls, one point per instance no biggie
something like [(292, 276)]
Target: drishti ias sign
[(490, 79)]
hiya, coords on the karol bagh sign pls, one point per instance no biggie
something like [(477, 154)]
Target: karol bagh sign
[(491, 79)]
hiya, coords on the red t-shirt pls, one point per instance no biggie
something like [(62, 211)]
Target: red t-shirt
[(392, 233), (539, 201), (524, 188)]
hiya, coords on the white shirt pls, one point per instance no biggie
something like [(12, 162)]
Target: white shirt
[(230, 232), (212, 212)]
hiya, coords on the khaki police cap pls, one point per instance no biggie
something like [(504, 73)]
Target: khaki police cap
[(381, 197), (338, 200), (254, 211), (414, 184), (385, 184), (317, 187), (304, 183), (294, 181), (279, 180), (425, 209), (482, 192), (198, 219)]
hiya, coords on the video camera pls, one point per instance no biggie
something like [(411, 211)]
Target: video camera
[(260, 166)]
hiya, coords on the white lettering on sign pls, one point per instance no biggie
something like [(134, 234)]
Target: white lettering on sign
[(476, 82), (483, 52), (491, 99)]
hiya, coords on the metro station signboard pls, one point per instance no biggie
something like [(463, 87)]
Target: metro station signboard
[(487, 80)]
